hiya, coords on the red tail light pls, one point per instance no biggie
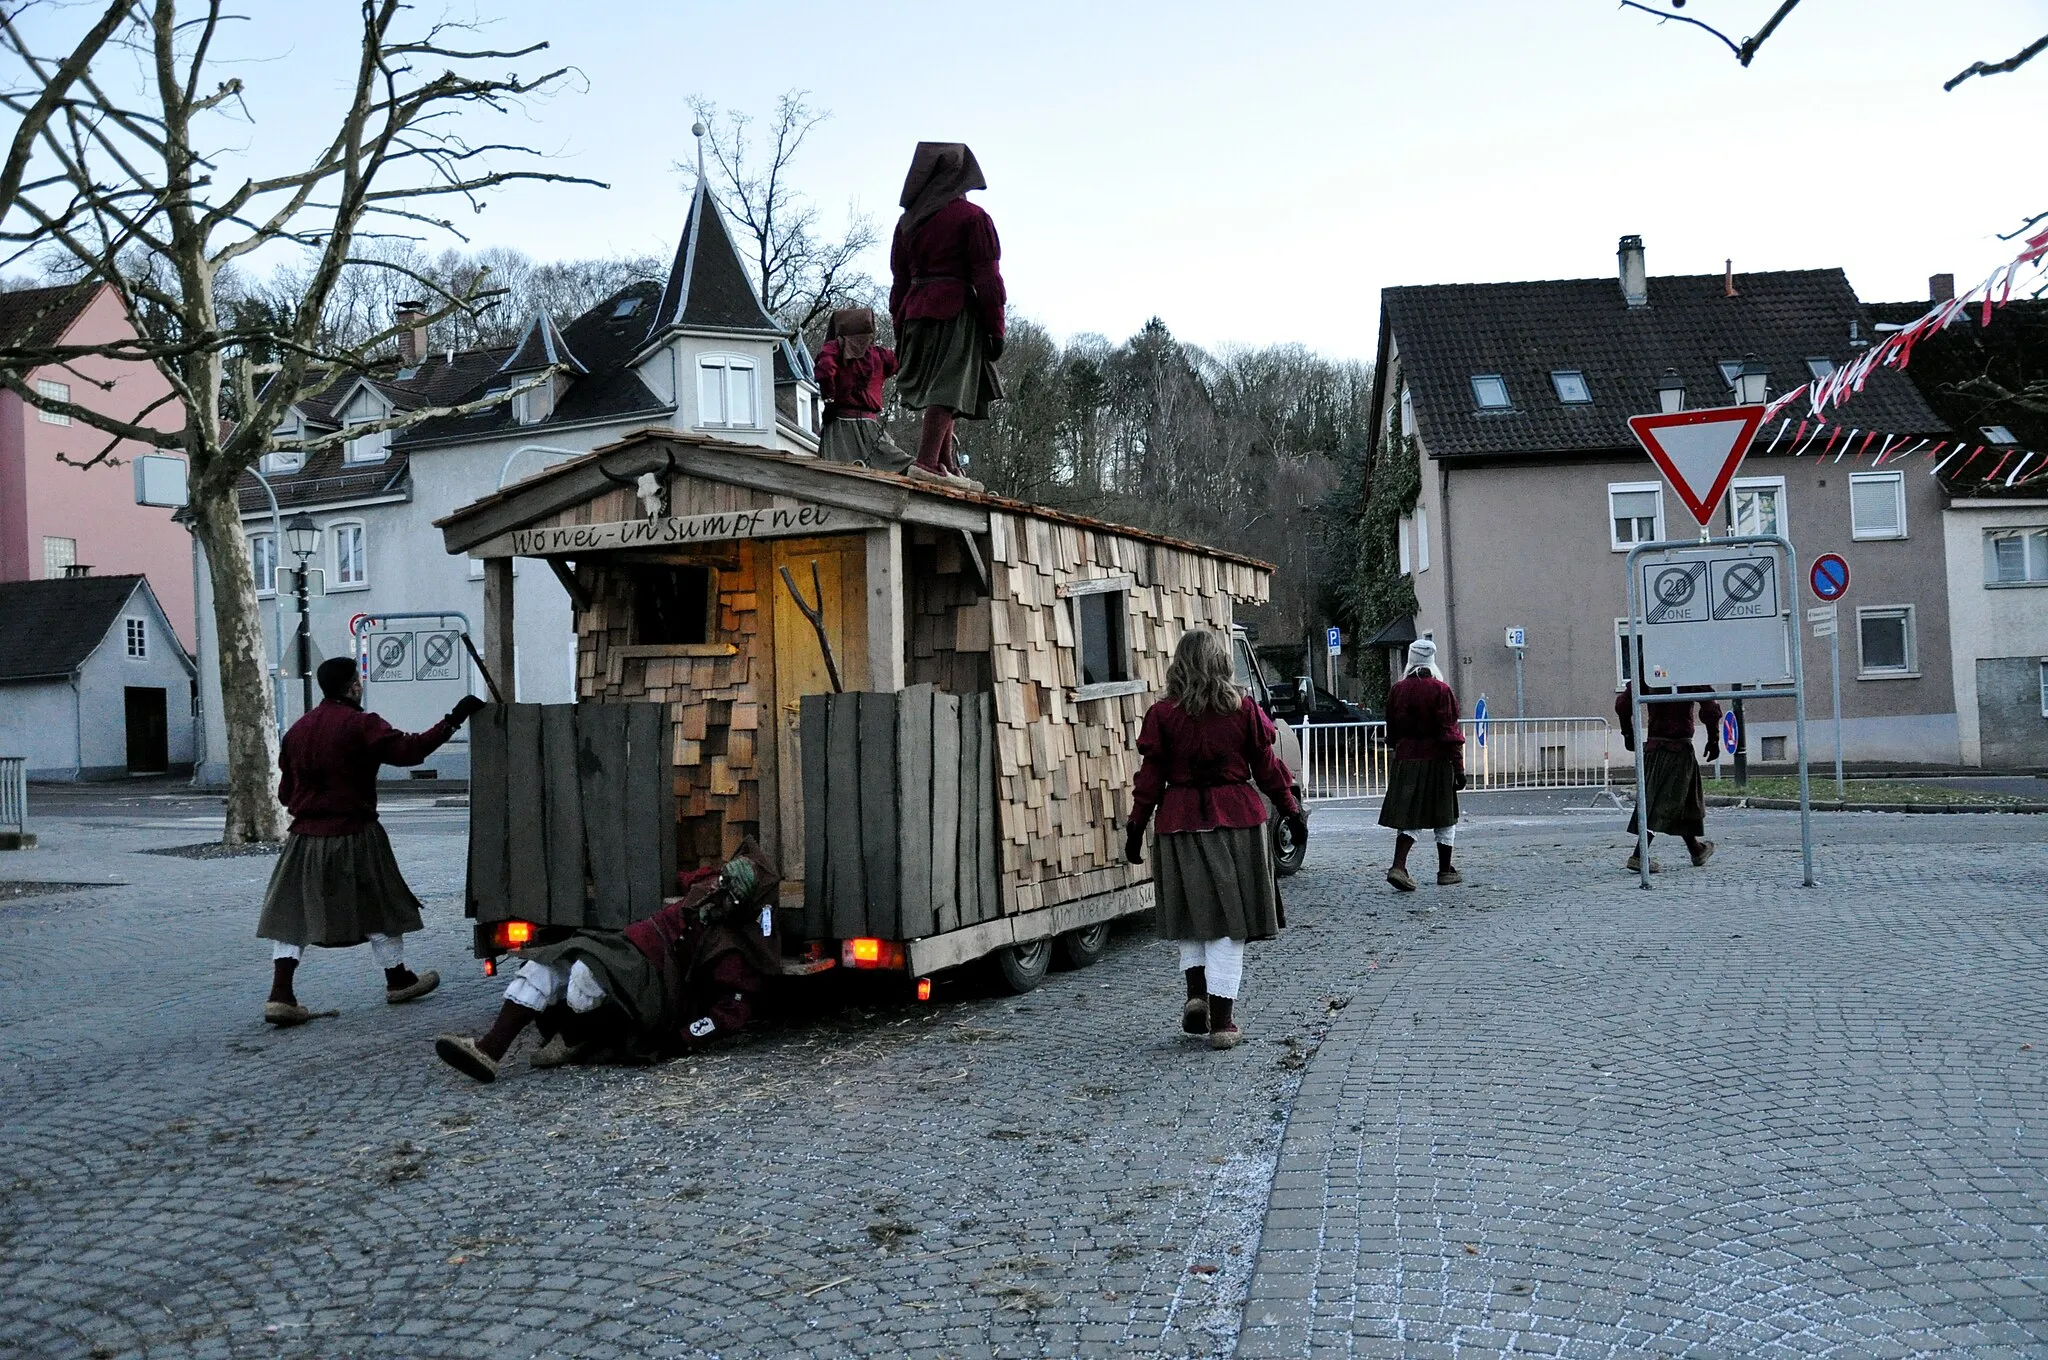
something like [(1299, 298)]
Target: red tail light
[(512, 934), (867, 953), (924, 989)]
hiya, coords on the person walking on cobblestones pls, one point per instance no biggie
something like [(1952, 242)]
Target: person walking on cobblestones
[(337, 884), (1671, 777), (1205, 745), (1429, 766)]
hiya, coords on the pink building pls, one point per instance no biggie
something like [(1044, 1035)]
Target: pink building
[(53, 516)]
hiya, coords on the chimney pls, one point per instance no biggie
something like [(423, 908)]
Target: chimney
[(1728, 281), (74, 570), (1941, 287), (1635, 283), (412, 337)]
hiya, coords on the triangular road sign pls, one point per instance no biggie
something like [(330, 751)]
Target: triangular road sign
[(1698, 451)]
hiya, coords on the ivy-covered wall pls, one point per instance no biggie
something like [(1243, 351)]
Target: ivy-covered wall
[(1366, 586)]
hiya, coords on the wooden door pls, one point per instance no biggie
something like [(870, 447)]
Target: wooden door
[(800, 665)]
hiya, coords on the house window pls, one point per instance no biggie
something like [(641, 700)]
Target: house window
[(1490, 391), (1421, 539), (1730, 370), (351, 564), (367, 448), (1884, 643), (1756, 505), (2044, 687), (1820, 366), (60, 555), (263, 562), (1635, 513), (1624, 668), (1571, 387), (1406, 544), (1774, 750), (626, 308), (725, 392), (2015, 557), (671, 606), (138, 639), (1407, 413), (53, 391), (1099, 618), (1877, 505), (284, 460), (1996, 434), (535, 404)]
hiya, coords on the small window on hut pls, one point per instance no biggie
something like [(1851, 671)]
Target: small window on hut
[(1105, 656), (671, 606)]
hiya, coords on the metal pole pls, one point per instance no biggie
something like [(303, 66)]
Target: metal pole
[(305, 643), (276, 600), (1835, 668), (1518, 682), (1798, 648), (1741, 747), (1637, 711)]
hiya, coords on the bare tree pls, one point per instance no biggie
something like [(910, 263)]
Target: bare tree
[(1746, 50), (126, 182), (804, 270)]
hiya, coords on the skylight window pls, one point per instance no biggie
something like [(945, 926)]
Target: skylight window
[(1820, 366), (626, 308), (1490, 390), (1730, 370), (1571, 387), (1997, 434)]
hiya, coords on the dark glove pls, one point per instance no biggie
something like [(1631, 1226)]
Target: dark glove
[(464, 706), (1297, 827), (1134, 844), (992, 348), (1461, 777), (1713, 751)]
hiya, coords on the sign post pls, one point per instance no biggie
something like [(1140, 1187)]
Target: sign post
[(1518, 642), (1830, 581), (1715, 617), (1333, 640)]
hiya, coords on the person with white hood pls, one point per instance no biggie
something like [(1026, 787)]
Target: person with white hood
[(1429, 765)]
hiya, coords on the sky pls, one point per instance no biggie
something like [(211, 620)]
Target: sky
[(1255, 174)]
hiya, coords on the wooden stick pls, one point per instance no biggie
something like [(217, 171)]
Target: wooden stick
[(482, 670), (817, 618)]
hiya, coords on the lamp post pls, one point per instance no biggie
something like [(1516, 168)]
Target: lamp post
[(302, 536), (1671, 392)]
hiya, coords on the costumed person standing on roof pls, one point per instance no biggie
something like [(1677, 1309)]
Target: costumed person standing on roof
[(946, 303), (337, 884), (684, 976), (1671, 777), (1429, 766), (1208, 751), (851, 369)]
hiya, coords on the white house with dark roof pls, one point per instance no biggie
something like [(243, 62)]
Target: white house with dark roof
[(695, 353), (94, 683), (1515, 396)]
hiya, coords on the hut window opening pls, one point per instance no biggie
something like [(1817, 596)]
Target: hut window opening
[(1105, 652), (671, 605)]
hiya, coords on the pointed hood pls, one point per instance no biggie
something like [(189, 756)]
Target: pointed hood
[(708, 287), (541, 346)]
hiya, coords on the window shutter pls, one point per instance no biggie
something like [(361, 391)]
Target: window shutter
[(1874, 506)]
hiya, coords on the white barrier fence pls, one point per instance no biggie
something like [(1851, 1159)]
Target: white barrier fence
[(1352, 760), (13, 793)]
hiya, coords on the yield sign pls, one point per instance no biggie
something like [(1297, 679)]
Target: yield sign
[(1698, 451)]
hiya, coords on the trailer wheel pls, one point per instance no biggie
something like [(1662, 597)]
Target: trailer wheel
[(1288, 853), (1022, 966), (1079, 948)]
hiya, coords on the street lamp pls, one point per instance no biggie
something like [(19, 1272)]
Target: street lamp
[(1670, 392), (302, 537), (1752, 383)]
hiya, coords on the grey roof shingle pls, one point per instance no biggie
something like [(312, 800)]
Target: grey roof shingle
[(1448, 333), (708, 287), (48, 628), (40, 316)]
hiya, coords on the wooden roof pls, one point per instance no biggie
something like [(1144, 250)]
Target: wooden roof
[(576, 480)]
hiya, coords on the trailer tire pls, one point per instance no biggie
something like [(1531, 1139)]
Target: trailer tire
[(1288, 853), (1079, 948), (1021, 967)]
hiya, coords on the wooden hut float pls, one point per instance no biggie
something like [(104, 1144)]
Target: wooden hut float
[(964, 793)]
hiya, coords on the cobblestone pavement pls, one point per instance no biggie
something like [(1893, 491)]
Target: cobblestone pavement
[(1055, 1174), (1726, 1117), (1723, 1117)]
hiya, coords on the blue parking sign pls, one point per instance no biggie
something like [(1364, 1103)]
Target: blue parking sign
[(1335, 638)]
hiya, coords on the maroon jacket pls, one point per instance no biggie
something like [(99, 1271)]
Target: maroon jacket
[(951, 260), (329, 761), (853, 387), (1670, 721), (1198, 772), (1422, 720)]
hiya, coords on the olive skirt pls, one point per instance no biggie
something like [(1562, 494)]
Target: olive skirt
[(945, 363), (861, 441), (337, 891), (1421, 795), (626, 974), (1210, 884), (1671, 786)]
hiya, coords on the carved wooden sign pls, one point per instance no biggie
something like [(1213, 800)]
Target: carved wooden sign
[(577, 540)]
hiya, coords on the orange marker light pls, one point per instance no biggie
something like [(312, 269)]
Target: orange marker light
[(513, 934), (867, 951), (924, 989)]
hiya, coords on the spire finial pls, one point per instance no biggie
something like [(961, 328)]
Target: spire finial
[(697, 131)]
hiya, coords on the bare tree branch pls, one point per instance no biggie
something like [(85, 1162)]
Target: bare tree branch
[(1995, 68)]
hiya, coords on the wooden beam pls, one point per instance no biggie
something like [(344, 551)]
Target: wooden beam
[(888, 642), (565, 572), (981, 576), (498, 653)]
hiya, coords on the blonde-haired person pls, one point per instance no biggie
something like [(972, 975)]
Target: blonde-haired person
[(1208, 750), (1429, 765)]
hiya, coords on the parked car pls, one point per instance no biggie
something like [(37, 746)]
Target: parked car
[(1288, 853), (1306, 698)]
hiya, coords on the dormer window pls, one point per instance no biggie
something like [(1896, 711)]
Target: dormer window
[(535, 404), (1731, 369), (1820, 366), (1571, 387), (626, 308), (374, 447), (1490, 391), (283, 460), (726, 392)]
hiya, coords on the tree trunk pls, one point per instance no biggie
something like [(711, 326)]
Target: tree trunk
[(253, 813)]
